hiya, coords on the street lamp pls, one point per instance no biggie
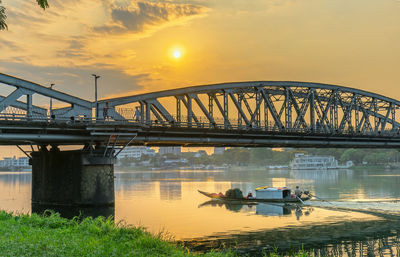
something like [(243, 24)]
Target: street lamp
[(95, 95), (51, 101)]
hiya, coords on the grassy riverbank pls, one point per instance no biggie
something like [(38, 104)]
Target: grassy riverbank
[(51, 235), (25, 235)]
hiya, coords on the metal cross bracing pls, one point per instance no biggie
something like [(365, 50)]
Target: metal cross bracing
[(284, 107), (12, 108), (266, 113)]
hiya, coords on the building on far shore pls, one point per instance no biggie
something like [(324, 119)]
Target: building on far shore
[(176, 150), (219, 150), (13, 163), (136, 152)]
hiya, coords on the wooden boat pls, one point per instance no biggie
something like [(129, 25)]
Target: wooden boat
[(285, 198)]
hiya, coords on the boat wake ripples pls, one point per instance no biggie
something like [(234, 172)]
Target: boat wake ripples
[(380, 206)]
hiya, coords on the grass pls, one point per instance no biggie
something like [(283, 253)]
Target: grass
[(300, 253), (52, 235)]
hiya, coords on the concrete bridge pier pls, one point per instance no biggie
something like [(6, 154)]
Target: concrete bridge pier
[(72, 178)]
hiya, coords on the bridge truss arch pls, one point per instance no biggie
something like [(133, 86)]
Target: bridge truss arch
[(270, 106), (14, 107), (260, 113)]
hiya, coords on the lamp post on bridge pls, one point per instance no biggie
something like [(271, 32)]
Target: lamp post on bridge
[(95, 95), (51, 101)]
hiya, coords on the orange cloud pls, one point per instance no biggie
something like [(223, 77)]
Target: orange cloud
[(141, 15), (72, 33)]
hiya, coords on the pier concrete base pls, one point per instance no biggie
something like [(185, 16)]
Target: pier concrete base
[(72, 178), (70, 212)]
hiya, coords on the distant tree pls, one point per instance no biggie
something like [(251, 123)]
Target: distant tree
[(203, 159), (3, 25), (261, 156), (335, 152), (127, 161), (376, 158), (155, 161), (217, 159), (283, 157), (145, 157), (242, 157), (355, 155)]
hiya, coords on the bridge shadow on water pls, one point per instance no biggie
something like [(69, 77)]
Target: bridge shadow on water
[(377, 237), (70, 212)]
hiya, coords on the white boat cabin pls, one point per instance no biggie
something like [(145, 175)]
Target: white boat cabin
[(272, 192)]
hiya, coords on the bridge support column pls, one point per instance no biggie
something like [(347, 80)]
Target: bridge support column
[(72, 178)]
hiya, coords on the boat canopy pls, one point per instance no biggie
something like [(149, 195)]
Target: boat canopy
[(272, 192), (271, 188)]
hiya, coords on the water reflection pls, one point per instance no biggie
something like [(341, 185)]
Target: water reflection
[(265, 209), (356, 238), (15, 191), (15, 178), (361, 218), (170, 190)]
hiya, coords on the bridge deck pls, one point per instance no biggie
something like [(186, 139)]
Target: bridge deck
[(121, 133)]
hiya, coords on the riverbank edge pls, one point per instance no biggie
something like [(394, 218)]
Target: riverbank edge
[(358, 167), (52, 235)]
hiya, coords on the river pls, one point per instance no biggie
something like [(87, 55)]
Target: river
[(360, 214)]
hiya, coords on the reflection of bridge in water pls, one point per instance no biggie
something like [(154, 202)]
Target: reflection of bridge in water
[(265, 113)]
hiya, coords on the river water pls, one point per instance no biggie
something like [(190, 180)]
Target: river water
[(359, 216)]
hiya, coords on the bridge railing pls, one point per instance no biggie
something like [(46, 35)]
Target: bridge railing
[(200, 122), (203, 122)]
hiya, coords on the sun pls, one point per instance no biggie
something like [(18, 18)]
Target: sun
[(177, 54)]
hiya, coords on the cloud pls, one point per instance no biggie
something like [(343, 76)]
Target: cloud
[(75, 38), (86, 32), (141, 15), (237, 7), (8, 45), (76, 81)]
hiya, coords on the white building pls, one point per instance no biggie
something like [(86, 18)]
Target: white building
[(176, 150), (8, 162), (136, 152), (219, 150), (22, 162)]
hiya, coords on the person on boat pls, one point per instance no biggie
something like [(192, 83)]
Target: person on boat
[(250, 196), (298, 192)]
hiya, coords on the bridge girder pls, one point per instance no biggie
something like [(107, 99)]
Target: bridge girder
[(270, 106), (9, 105)]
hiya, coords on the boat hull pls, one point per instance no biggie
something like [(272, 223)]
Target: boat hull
[(245, 200)]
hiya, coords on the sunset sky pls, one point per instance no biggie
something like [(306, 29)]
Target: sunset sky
[(132, 44)]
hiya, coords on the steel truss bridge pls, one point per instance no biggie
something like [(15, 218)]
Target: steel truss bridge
[(250, 114)]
